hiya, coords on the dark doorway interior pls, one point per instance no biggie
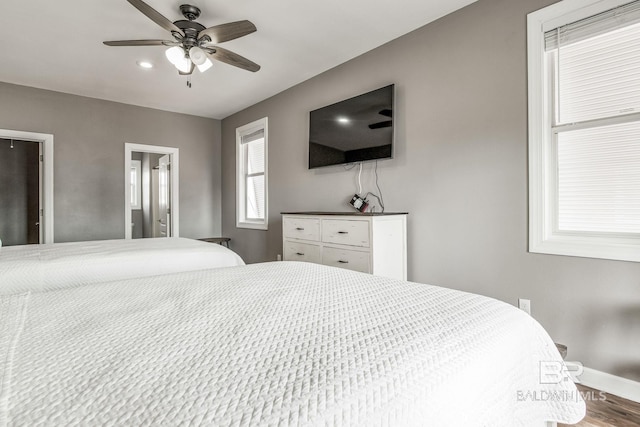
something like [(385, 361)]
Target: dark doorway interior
[(19, 192)]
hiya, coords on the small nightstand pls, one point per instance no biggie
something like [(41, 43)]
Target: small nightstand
[(224, 241)]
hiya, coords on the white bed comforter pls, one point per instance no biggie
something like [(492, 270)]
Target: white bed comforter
[(272, 344), (31, 267)]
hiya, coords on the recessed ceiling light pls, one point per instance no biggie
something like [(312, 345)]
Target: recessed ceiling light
[(343, 120), (144, 64)]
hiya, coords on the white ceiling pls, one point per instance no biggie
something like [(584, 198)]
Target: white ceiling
[(57, 45)]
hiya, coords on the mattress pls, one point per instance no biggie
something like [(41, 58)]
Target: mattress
[(31, 267), (280, 343)]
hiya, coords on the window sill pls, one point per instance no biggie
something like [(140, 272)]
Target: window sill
[(253, 225), (622, 249)]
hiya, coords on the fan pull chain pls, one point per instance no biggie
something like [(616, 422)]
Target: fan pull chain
[(189, 82)]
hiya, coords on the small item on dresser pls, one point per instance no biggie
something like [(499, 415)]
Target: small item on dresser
[(359, 203)]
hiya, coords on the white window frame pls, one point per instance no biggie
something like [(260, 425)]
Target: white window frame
[(136, 165), (543, 237), (241, 168)]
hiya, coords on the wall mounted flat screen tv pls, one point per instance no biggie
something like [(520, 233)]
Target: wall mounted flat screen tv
[(355, 130)]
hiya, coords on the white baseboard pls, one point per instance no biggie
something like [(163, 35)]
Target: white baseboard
[(613, 384)]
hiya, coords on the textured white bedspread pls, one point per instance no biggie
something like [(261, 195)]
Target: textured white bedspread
[(272, 344), (66, 264)]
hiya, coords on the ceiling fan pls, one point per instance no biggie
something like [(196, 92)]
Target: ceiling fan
[(194, 44)]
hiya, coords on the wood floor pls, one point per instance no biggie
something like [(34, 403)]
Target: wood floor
[(613, 411)]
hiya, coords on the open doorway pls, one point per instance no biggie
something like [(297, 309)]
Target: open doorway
[(151, 191), (150, 195), (20, 192), (26, 187)]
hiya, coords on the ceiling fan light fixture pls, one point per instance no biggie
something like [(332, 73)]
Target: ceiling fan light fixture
[(184, 66), (205, 66), (197, 55), (176, 56)]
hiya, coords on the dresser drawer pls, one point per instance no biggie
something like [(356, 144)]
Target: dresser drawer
[(301, 228), (345, 232), (345, 258), (295, 251)]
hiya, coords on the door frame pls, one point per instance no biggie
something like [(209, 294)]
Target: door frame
[(46, 139), (174, 153)]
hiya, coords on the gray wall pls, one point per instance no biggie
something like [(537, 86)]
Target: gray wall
[(461, 172), (89, 137)]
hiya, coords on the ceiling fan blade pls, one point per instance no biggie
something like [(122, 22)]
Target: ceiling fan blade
[(380, 125), (386, 112), (141, 43), (228, 57), (155, 16), (229, 31), (188, 73)]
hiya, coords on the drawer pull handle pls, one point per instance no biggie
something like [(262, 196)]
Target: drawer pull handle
[(300, 253), (300, 228), (343, 232), (343, 262)]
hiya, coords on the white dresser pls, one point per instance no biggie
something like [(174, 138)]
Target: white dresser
[(369, 242)]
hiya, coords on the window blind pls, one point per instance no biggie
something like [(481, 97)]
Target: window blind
[(599, 77), (254, 179), (255, 156), (599, 179), (592, 26), (255, 197), (259, 134), (597, 65)]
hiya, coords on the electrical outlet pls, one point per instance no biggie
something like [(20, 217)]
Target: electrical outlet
[(525, 305), (278, 257)]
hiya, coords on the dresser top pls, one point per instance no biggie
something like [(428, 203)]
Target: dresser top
[(348, 213)]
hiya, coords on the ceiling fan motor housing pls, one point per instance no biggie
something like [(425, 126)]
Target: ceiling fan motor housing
[(189, 27), (190, 12)]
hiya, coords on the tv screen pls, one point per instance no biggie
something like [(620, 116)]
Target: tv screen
[(357, 129)]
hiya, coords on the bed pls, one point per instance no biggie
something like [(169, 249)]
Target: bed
[(68, 264), (283, 343)]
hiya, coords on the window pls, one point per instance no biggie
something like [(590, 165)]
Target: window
[(251, 182), (136, 184), (584, 129)]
